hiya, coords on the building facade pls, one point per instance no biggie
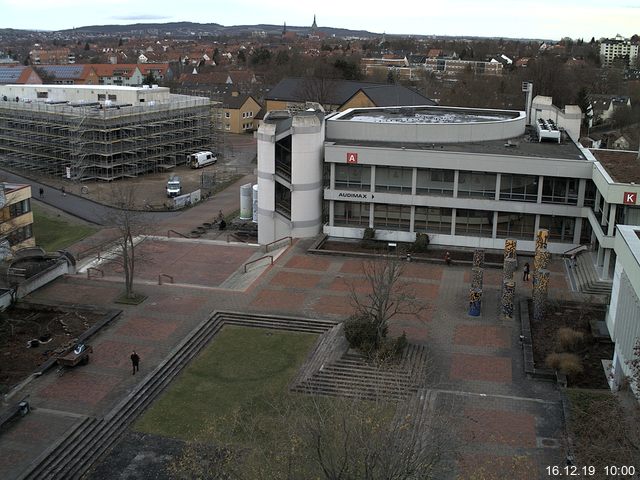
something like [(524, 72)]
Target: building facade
[(16, 224), (100, 132), (467, 177), (618, 48)]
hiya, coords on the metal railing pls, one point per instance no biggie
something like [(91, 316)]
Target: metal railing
[(266, 247), (164, 275), (270, 257), (94, 269), (575, 250), (177, 233)]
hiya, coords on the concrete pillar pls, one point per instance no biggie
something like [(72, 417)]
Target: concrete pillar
[(600, 256), (540, 184), (371, 214), (453, 222), (373, 179), (612, 219), (498, 181), (414, 181), (606, 261), (494, 226), (332, 176), (456, 176), (412, 221), (332, 209), (582, 188), (577, 230)]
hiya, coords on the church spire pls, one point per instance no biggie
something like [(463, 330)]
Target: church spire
[(314, 25), (284, 29)]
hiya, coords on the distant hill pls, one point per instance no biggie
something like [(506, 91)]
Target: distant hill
[(191, 29)]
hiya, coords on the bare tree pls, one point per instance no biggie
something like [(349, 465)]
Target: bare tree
[(322, 438), (129, 224), (387, 296)]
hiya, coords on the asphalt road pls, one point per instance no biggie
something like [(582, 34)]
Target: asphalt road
[(79, 206)]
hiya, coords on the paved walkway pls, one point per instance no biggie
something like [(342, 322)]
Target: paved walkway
[(508, 423)]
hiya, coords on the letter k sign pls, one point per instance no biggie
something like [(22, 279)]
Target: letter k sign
[(630, 198)]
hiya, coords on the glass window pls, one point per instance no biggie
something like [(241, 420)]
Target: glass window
[(560, 190), (392, 217), (433, 219), (516, 225), (477, 184), (351, 214), (435, 182), (560, 228), (394, 179), (477, 223), (521, 188), (353, 177), (590, 194)]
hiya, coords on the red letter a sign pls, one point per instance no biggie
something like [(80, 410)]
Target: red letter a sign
[(352, 157)]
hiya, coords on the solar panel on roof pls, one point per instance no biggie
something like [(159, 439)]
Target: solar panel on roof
[(63, 71), (10, 75)]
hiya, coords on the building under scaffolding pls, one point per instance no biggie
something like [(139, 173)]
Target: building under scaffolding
[(95, 132)]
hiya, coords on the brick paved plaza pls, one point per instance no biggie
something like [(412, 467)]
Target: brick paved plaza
[(500, 415)]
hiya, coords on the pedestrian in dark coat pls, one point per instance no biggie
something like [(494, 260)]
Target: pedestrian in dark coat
[(525, 272), (135, 361)]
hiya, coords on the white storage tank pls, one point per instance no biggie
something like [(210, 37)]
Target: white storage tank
[(255, 203), (246, 201)]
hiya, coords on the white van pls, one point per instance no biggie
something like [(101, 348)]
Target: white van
[(200, 159), (174, 188)]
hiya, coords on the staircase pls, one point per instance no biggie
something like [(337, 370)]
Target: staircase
[(584, 276), (352, 375), (73, 455)]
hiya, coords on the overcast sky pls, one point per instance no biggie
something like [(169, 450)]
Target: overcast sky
[(548, 19)]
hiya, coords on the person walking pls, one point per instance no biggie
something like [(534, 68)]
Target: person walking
[(41, 192), (447, 257), (63, 191), (135, 361), (525, 272)]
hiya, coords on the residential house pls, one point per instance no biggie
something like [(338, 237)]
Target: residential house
[(57, 56), (601, 107), (239, 112), (18, 75), (337, 95), (67, 74)]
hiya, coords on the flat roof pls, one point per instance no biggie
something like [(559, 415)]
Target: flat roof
[(519, 146), (623, 166), (425, 114), (48, 86)]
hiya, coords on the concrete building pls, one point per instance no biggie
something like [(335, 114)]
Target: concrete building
[(290, 171), (569, 118), (623, 314), (240, 112), (100, 132), (454, 66), (467, 177), (16, 224), (618, 48)]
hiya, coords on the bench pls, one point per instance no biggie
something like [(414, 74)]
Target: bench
[(20, 408)]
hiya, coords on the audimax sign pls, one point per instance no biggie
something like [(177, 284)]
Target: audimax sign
[(363, 196)]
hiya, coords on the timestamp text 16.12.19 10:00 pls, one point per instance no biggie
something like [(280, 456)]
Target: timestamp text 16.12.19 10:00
[(624, 471)]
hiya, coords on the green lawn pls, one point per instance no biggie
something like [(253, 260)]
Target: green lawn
[(244, 369), (53, 234)]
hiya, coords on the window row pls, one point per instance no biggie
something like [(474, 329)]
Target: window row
[(476, 223), (19, 235), (471, 184), (15, 210)]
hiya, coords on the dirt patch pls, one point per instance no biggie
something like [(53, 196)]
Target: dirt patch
[(591, 351), (56, 327)]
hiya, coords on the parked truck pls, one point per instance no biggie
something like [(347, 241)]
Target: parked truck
[(173, 186), (201, 159)]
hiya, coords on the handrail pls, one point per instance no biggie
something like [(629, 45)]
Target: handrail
[(574, 250), (256, 260), (266, 247), (181, 234), (96, 269), (99, 248), (164, 275)]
